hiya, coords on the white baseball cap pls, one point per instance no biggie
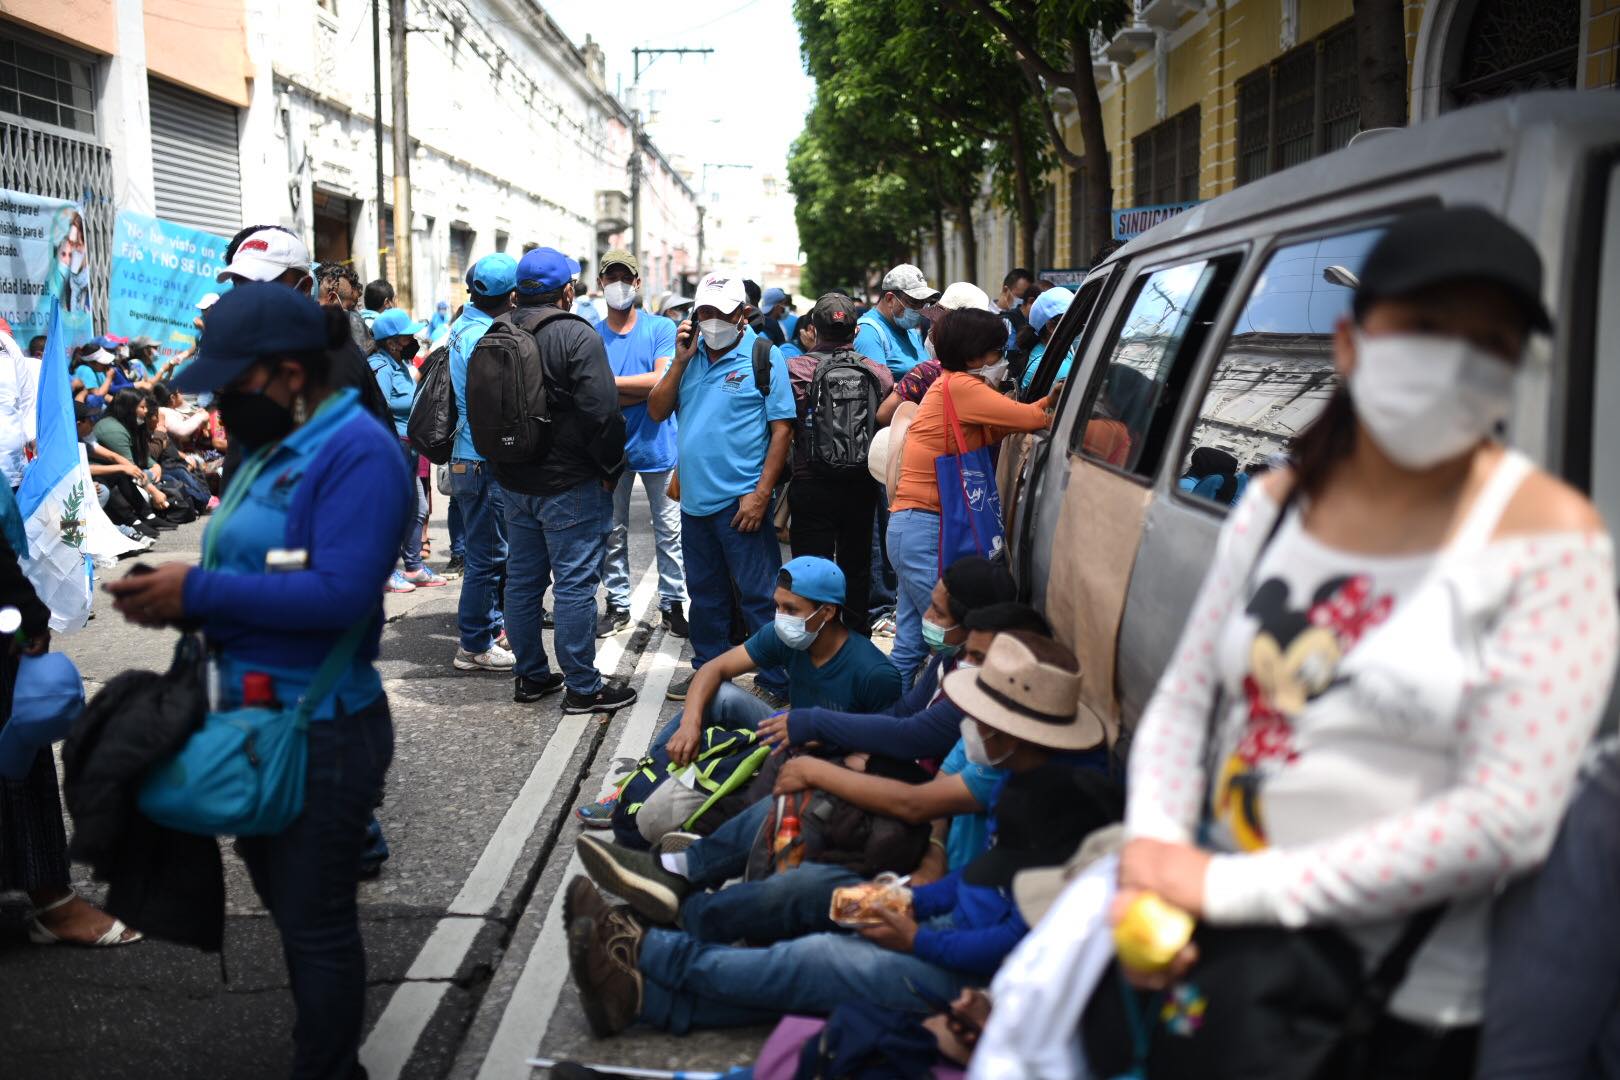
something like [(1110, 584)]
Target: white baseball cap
[(907, 279), (724, 294), (208, 301), (964, 294), (265, 255)]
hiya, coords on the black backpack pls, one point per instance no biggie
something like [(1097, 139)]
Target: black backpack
[(506, 388), (834, 831), (842, 416), (434, 422)]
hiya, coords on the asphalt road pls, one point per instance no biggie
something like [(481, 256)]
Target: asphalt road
[(468, 970)]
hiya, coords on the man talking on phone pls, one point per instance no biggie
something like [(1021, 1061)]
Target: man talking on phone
[(736, 424)]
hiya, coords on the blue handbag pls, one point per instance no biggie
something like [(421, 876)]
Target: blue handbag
[(969, 502), (242, 772)]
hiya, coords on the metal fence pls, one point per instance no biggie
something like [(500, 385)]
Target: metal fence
[(58, 166)]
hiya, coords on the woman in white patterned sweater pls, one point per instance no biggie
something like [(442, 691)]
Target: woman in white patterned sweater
[(1402, 648)]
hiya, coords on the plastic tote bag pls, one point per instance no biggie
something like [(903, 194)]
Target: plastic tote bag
[(969, 504)]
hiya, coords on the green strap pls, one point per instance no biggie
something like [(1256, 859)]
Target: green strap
[(236, 493), (742, 774), (332, 668)]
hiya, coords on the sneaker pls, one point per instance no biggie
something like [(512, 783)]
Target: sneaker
[(493, 658), (652, 892), (145, 530), (599, 814), (673, 842), (213, 504), (884, 627), (504, 642), (161, 524), (613, 695), (425, 578), (612, 621), (135, 534), (526, 690), (602, 955), (398, 583), (455, 567), (675, 621), (677, 690)]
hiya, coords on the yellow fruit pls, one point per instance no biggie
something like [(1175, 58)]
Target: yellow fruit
[(1151, 934)]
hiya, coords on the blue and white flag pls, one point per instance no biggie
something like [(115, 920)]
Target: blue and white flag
[(61, 513)]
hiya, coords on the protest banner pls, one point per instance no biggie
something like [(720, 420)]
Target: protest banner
[(159, 272), (43, 257)]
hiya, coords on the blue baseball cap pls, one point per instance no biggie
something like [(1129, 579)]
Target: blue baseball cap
[(395, 322), (815, 578), (544, 270), (493, 275), (48, 698), (1048, 306), (772, 297), (253, 320)]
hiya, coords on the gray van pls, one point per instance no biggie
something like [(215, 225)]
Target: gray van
[(1203, 347)]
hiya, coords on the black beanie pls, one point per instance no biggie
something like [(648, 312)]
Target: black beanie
[(975, 582)]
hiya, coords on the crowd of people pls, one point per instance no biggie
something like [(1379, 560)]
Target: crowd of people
[(928, 846)]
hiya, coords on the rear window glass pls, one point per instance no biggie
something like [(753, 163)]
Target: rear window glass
[(1275, 372)]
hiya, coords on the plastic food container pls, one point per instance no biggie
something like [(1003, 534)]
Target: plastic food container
[(855, 906)]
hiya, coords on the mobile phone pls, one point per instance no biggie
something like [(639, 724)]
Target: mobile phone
[(940, 1005)]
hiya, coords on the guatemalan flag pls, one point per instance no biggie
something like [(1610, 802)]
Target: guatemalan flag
[(61, 513)]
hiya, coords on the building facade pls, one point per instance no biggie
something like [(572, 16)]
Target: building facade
[(261, 112)]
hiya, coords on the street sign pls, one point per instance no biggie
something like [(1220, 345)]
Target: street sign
[(1131, 223), (1069, 277)]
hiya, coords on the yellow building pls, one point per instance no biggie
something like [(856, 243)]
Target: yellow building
[(1200, 96)]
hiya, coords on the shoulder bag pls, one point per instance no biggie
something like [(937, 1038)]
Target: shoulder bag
[(969, 504)]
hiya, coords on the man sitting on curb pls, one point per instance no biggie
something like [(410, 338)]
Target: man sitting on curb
[(956, 934), (672, 887)]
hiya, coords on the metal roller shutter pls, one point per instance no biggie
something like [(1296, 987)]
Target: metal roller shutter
[(195, 159)]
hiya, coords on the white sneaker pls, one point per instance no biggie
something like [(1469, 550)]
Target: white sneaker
[(493, 658)]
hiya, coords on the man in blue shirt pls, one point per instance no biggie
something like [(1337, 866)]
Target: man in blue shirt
[(395, 333), (478, 497), (777, 313), (735, 430), (639, 349), (891, 332)]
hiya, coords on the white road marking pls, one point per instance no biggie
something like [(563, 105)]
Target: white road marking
[(393, 1038), (534, 999)]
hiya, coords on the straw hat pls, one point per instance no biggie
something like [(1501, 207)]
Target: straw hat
[(1029, 687), (899, 427), (1036, 890)]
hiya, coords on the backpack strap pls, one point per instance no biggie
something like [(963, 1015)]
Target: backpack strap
[(531, 318), (762, 364)]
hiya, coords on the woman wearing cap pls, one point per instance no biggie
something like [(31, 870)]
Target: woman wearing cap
[(1414, 629), (968, 343), (1044, 316), (293, 564)]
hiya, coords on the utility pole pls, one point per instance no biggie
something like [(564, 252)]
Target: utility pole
[(376, 118), (638, 140), (701, 209), (402, 160)]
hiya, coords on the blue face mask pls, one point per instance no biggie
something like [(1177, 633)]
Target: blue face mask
[(795, 631), (909, 319), (934, 637)]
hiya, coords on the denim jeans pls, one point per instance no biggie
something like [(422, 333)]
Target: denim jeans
[(410, 546), (666, 520), (556, 540), (307, 877), (730, 708), (716, 556), (693, 984), (482, 507), (785, 905), (458, 528), (914, 550)]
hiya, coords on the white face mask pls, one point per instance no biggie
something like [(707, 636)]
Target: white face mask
[(1425, 399), (992, 373), (619, 294), (719, 334), (973, 745)]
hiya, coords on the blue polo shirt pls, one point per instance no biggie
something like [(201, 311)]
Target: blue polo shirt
[(857, 678), (789, 323), (901, 350), (398, 386), (648, 445), (335, 489), (725, 425), (464, 336)]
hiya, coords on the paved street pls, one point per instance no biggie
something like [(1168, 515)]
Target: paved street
[(468, 968)]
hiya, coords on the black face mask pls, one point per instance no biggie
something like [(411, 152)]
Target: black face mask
[(412, 347), (253, 419)]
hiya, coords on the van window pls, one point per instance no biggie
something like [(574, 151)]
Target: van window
[(1059, 356), (1276, 372), (1133, 396)]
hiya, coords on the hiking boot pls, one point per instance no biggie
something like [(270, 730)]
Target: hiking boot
[(599, 814), (652, 892), (602, 955), (582, 900), (678, 690), (675, 621), (493, 658), (425, 578), (526, 690), (397, 583), (612, 621), (613, 695)]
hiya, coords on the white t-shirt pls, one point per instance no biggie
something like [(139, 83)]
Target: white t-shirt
[(1395, 732)]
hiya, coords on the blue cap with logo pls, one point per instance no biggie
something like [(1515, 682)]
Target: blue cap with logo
[(815, 578), (493, 275), (254, 319), (544, 270), (1048, 306), (47, 699), (394, 322)]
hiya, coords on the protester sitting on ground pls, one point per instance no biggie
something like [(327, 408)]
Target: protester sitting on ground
[(913, 386), (122, 436), (996, 740), (395, 333), (166, 451), (117, 479), (954, 934), (969, 345), (1447, 613), (93, 371), (1044, 316)]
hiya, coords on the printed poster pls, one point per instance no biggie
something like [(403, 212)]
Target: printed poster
[(159, 272), (44, 255)]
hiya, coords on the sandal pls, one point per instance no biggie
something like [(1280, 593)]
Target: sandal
[(39, 934)]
